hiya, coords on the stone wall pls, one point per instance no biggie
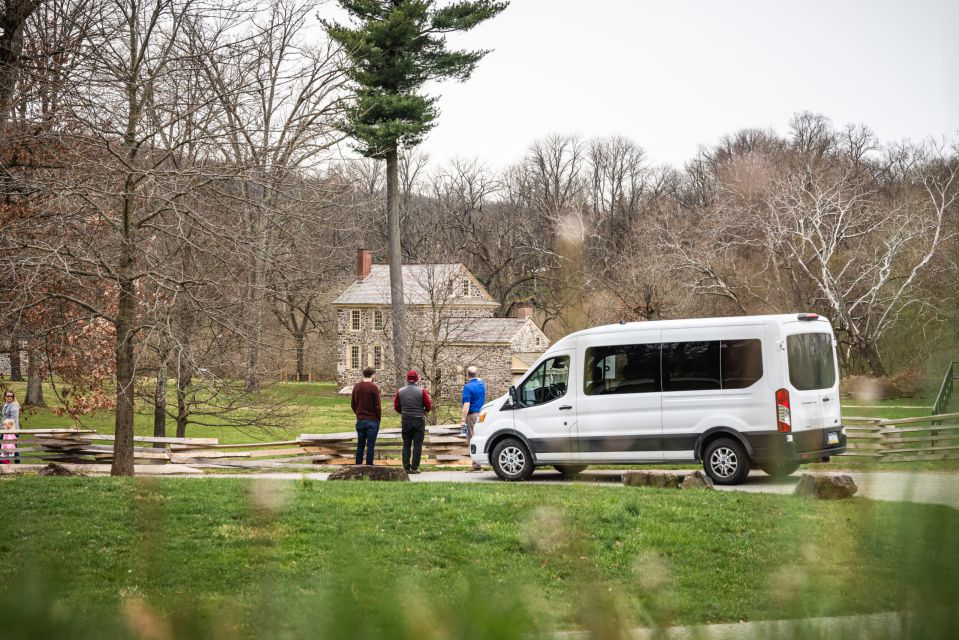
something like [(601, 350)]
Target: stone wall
[(368, 337)]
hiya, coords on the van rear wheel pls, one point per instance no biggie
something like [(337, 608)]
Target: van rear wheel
[(570, 469), (512, 461), (726, 461)]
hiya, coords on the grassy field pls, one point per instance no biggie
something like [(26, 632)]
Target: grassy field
[(233, 558)]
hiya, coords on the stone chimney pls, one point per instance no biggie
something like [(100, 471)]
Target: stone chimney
[(523, 310), (364, 263)]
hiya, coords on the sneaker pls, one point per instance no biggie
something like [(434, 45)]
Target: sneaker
[(414, 471), (475, 470)]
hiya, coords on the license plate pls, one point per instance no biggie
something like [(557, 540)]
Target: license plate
[(832, 438)]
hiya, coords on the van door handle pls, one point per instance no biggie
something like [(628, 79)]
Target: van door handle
[(565, 407), (825, 399)]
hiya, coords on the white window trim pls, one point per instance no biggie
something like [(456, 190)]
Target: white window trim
[(359, 316), (379, 326)]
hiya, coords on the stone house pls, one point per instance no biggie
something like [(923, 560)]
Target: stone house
[(451, 325)]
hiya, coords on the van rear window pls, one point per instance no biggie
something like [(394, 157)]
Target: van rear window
[(812, 364)]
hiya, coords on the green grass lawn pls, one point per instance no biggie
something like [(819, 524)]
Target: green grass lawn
[(374, 560)]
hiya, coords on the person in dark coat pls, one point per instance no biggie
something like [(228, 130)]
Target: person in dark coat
[(366, 405), (412, 402)]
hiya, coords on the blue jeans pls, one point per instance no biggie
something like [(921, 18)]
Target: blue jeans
[(366, 431)]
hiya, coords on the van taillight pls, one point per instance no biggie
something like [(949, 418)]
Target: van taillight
[(783, 416)]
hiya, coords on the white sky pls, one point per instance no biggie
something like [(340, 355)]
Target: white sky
[(674, 74)]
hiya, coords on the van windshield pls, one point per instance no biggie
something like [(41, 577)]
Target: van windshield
[(812, 364)]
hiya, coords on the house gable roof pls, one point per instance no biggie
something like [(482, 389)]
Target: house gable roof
[(488, 330), (422, 283)]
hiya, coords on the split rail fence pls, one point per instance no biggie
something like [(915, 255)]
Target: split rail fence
[(443, 445), (933, 437)]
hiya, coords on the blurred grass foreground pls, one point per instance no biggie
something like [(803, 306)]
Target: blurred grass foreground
[(237, 558)]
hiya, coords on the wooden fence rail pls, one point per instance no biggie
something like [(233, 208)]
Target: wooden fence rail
[(933, 437), (443, 445)]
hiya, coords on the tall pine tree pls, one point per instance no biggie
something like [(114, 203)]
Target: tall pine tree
[(395, 47)]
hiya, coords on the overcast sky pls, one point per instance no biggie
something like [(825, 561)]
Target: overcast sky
[(674, 74)]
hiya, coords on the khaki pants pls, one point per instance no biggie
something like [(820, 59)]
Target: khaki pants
[(471, 419)]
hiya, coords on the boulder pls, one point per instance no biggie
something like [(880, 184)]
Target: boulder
[(54, 469), (369, 472), (656, 479), (697, 480), (826, 487)]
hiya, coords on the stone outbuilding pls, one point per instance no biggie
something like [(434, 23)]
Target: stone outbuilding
[(451, 325)]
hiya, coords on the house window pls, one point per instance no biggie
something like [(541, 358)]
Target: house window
[(355, 357), (466, 288), (354, 319), (539, 342), (377, 357), (378, 321)]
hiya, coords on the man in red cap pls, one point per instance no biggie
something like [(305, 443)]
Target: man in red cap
[(412, 402)]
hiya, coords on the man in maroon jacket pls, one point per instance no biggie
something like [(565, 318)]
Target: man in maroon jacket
[(366, 406), (412, 402)]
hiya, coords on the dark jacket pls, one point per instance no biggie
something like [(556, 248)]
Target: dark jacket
[(412, 401)]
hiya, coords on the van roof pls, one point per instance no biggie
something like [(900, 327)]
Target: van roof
[(624, 327)]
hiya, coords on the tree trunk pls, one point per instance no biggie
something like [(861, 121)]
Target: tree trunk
[(123, 433), (16, 368), (34, 381), (300, 339), (159, 393), (12, 19), (184, 367), (870, 354), (253, 311), (395, 253)]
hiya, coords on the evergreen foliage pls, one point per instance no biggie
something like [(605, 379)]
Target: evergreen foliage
[(395, 47)]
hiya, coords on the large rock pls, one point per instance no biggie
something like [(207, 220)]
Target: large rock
[(826, 487), (697, 480), (54, 469), (369, 472), (656, 479)]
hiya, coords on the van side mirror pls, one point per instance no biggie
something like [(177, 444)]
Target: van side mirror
[(512, 395)]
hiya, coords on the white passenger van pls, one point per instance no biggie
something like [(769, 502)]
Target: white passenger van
[(731, 392)]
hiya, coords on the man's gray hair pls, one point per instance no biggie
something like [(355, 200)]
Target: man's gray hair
[(471, 371)]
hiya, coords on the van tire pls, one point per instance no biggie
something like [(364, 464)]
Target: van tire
[(511, 460), (570, 469), (780, 469), (725, 461)]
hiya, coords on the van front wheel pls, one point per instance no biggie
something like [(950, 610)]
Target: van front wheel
[(512, 460), (725, 461)]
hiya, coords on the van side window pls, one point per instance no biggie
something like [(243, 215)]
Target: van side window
[(742, 363), (548, 382), (691, 366), (627, 368)]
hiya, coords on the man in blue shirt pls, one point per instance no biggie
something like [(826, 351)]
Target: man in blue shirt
[(474, 397)]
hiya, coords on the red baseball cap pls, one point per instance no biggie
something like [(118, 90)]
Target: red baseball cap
[(412, 376)]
